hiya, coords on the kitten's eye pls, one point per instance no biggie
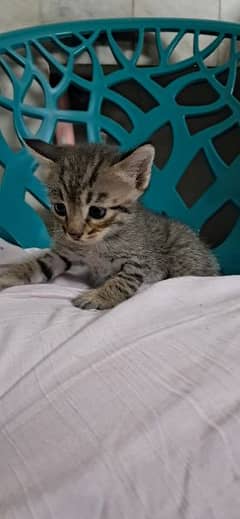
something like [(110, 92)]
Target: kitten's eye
[(60, 209), (97, 212)]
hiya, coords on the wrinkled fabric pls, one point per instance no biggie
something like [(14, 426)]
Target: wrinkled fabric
[(125, 414)]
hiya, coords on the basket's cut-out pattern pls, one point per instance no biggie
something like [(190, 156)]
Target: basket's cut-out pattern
[(223, 144), (196, 179), (162, 140), (226, 217), (136, 98), (201, 122)]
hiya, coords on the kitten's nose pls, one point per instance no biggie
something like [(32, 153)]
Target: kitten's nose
[(75, 236)]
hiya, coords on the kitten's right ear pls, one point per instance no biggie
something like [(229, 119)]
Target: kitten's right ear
[(43, 151)]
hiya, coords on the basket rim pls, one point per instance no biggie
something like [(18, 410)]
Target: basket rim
[(204, 26)]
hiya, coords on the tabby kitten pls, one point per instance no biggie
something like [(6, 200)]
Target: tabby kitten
[(96, 221)]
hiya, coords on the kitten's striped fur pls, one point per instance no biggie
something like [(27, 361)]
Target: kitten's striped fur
[(126, 246)]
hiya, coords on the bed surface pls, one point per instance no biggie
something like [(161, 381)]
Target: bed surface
[(125, 414)]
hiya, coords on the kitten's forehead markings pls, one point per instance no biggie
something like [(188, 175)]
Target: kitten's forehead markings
[(95, 171), (67, 163), (64, 185), (89, 197), (63, 188), (60, 194)]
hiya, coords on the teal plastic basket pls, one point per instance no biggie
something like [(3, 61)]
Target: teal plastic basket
[(164, 83)]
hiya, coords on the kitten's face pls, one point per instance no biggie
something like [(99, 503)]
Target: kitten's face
[(92, 190)]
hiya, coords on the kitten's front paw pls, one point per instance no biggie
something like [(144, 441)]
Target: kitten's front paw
[(92, 300)]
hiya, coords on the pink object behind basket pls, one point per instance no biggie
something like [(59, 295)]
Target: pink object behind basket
[(64, 130)]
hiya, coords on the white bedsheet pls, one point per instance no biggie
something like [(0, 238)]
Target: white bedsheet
[(132, 413)]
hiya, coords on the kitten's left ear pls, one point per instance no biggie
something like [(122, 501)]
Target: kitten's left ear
[(43, 151), (135, 169)]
